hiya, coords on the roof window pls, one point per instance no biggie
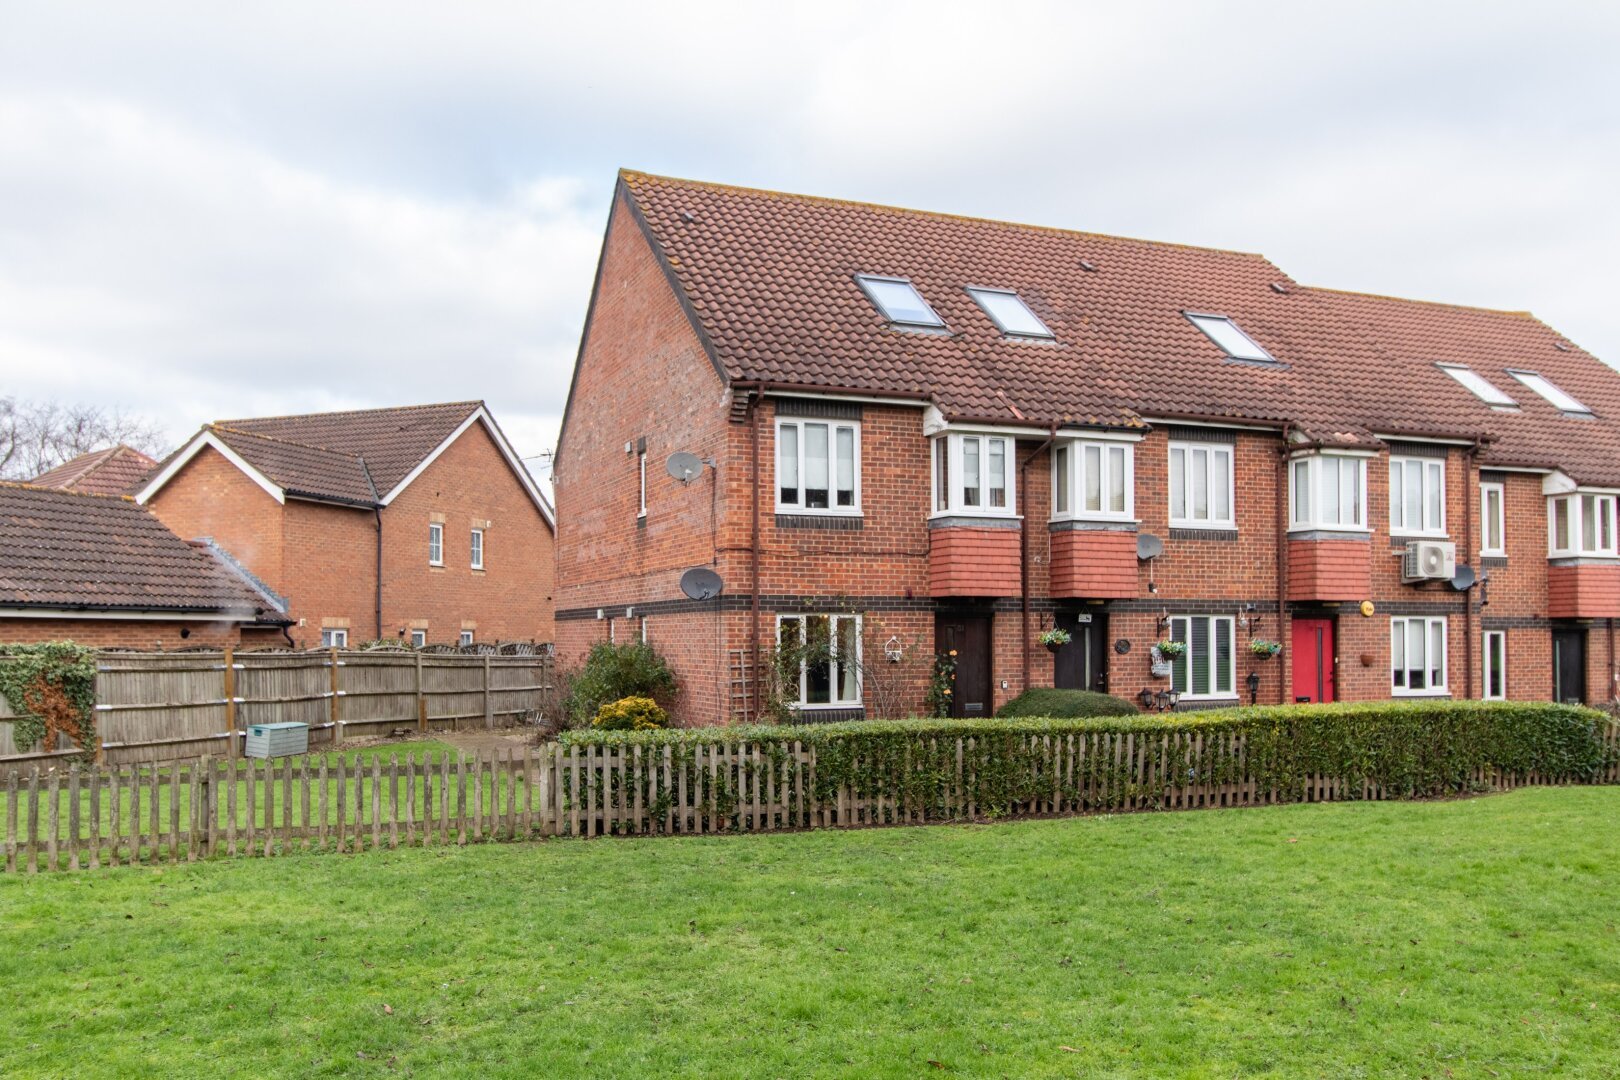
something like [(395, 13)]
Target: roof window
[(1555, 397), (899, 301), (1009, 312), (1233, 342), (1481, 387)]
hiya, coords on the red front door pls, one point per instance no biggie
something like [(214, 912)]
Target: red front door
[(1313, 660)]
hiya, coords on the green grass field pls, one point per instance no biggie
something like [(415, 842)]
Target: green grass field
[(1467, 938)]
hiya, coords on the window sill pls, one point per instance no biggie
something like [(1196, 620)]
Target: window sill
[(1085, 521), (1400, 538), (1420, 693), (1330, 530), (800, 511)]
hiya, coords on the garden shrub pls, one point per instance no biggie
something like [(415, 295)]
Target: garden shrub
[(612, 672), (1066, 703), (630, 714)]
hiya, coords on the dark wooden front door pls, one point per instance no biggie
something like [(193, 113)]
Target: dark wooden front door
[(1313, 660), (969, 636), (1569, 666), (1082, 663)]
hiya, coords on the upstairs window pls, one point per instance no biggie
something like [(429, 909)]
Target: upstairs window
[(1329, 492), (1481, 387), (435, 545), (974, 474), (1417, 496), (641, 470), (1229, 338), (1093, 479), (818, 466), (1492, 519), (1580, 524), (1548, 390), (1201, 485), (477, 549), (899, 301), (1009, 312)]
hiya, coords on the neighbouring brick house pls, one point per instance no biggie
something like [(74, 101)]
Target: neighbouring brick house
[(100, 570), (925, 432), (417, 524), (113, 471)]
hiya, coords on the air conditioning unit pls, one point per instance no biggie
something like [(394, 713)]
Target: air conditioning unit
[(1429, 560)]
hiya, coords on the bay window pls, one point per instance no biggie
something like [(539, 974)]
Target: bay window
[(1201, 485), (820, 658), (1329, 491), (1580, 524), (1093, 479), (1417, 651), (1417, 496), (1206, 669), (818, 466), (974, 474), (1492, 520)]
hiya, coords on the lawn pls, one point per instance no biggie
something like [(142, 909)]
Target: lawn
[(1465, 938)]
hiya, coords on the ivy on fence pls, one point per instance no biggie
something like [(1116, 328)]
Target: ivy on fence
[(52, 689)]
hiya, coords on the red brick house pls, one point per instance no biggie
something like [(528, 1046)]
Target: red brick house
[(922, 429), (100, 570), (417, 524), (113, 471)]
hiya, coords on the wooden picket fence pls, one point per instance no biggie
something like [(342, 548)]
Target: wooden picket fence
[(81, 817)]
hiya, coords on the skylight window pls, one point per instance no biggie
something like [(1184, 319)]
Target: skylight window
[(1232, 341), (899, 301), (1009, 312), (1545, 387), (1482, 387)]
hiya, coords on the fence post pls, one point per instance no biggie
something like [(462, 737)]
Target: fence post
[(489, 716), (335, 714), (421, 701), (230, 700)]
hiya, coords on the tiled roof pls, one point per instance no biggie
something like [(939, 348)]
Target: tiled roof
[(101, 552), (112, 471), (300, 469)]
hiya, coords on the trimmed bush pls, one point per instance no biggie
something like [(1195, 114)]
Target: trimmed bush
[(1066, 703), (630, 714), (612, 672)]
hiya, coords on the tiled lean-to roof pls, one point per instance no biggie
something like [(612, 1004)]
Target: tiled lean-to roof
[(770, 280), (113, 471)]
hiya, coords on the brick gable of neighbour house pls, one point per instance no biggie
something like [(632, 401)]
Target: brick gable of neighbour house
[(341, 525), (1201, 449)]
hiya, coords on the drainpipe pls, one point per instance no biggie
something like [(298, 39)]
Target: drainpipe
[(754, 478), (1023, 547), (377, 608), (1470, 497), (1282, 575)]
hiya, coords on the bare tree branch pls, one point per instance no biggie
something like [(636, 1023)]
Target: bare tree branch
[(37, 436)]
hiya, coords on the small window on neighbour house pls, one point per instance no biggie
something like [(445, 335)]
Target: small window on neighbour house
[(1093, 479), (974, 474), (1201, 485), (1492, 520), (1417, 496), (1417, 655), (818, 466), (1495, 665), (1551, 392), (1009, 312), (466, 638), (1231, 340), (1329, 491), (641, 468), (334, 639), (418, 638), (1581, 524), (899, 301), (436, 545), (477, 549)]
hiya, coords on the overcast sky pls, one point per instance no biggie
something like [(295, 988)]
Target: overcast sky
[(207, 211)]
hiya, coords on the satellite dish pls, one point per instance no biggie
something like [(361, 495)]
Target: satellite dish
[(701, 583), (1149, 546), (683, 466), (1463, 579)]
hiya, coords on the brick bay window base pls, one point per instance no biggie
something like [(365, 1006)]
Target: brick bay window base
[(1583, 589), (1329, 566), (1093, 562), (970, 556)]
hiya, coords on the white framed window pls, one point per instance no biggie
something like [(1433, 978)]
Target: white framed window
[(1417, 496), (898, 301), (1479, 386), (1417, 655), (1495, 654), (644, 624), (1009, 312), (818, 466), (974, 474), (334, 638), (1094, 480), (477, 549), (435, 545), (828, 653), (1492, 519), (1580, 524), (418, 638), (1201, 485), (1208, 668), (1229, 337), (466, 638), (641, 469), (1328, 491), (1550, 392)]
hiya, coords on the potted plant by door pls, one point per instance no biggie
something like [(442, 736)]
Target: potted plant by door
[(1055, 638)]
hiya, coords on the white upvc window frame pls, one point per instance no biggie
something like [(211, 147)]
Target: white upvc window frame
[(801, 426), (1581, 507), (871, 285), (1432, 630), (1550, 392), (419, 638), (334, 637), (1248, 350), (1495, 667), (1181, 667), (1493, 492), (837, 665), (953, 449), (465, 638), (475, 549), (1075, 461), (1190, 449), (981, 296), (435, 544), (1318, 469), (1427, 468), (641, 469)]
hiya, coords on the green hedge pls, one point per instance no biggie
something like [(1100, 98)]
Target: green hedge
[(1408, 749), (1066, 703)]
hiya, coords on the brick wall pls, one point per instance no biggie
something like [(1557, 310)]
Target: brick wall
[(209, 496), (121, 633)]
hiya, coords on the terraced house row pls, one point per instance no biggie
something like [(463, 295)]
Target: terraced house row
[(904, 434)]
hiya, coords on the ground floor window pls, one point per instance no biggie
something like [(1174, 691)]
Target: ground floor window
[(419, 638), (332, 638), (466, 638), (1206, 668), (1495, 664), (1417, 649), (821, 659)]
